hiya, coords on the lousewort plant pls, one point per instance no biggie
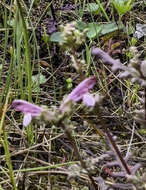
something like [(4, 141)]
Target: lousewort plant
[(81, 92), (60, 116)]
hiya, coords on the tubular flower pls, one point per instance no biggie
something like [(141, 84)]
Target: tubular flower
[(29, 110), (81, 92)]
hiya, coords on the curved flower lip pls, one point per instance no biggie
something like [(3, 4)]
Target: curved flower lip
[(26, 107), (29, 110), (88, 99), (82, 89), (81, 92)]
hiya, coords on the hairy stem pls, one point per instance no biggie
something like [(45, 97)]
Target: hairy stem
[(112, 142), (118, 153), (68, 134)]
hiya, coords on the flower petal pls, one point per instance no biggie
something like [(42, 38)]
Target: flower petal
[(78, 94), (26, 107), (88, 99), (81, 89), (27, 119)]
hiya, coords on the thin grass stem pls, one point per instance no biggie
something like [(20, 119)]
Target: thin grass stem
[(27, 52), (101, 7), (4, 142)]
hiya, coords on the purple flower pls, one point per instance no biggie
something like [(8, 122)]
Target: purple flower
[(29, 110), (81, 92)]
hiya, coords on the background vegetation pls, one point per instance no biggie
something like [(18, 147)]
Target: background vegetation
[(39, 66)]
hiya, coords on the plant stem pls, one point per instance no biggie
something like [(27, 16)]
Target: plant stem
[(27, 52), (77, 64), (8, 159), (6, 18), (68, 134), (4, 142), (116, 149), (114, 146), (101, 7)]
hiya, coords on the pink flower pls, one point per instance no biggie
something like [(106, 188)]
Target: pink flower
[(29, 110), (81, 92)]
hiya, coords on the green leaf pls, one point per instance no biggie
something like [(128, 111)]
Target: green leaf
[(38, 79), (81, 25), (110, 27), (93, 8), (56, 37), (93, 30), (122, 6)]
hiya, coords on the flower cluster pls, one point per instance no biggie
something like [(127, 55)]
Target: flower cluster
[(72, 36), (81, 92), (136, 71)]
